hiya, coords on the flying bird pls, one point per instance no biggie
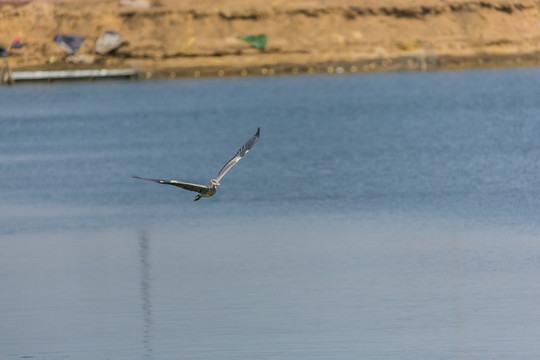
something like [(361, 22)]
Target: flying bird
[(210, 189)]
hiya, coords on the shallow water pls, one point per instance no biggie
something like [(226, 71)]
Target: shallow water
[(389, 216)]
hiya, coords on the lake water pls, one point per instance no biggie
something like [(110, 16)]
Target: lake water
[(387, 216)]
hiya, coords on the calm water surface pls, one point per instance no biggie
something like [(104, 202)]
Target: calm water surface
[(389, 216)]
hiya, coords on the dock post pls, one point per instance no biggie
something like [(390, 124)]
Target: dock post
[(5, 73)]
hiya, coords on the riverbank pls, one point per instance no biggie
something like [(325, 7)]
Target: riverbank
[(181, 38)]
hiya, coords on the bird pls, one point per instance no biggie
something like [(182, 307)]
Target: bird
[(209, 190)]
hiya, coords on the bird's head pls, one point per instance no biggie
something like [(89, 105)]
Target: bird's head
[(214, 182)]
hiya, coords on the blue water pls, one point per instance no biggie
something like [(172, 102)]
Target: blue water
[(387, 216)]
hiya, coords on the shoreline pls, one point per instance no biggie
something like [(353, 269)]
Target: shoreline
[(411, 63), (186, 39)]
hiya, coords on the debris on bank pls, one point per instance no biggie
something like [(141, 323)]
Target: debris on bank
[(257, 41)]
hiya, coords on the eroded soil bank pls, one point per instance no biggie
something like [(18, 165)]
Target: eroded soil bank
[(175, 38)]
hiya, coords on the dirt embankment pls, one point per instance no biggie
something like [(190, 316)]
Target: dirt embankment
[(198, 38)]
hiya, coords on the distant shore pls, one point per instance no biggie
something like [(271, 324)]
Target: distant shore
[(181, 38)]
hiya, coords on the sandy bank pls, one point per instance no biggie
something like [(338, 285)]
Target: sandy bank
[(176, 38)]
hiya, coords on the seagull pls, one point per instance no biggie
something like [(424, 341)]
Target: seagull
[(209, 190)]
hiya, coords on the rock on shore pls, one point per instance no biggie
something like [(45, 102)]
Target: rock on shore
[(200, 38)]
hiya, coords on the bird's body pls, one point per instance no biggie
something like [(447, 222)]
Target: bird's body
[(210, 189), (203, 190)]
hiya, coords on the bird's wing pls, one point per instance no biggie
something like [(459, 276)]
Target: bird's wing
[(243, 151), (184, 185)]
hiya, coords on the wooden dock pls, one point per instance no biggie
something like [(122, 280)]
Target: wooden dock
[(40, 76)]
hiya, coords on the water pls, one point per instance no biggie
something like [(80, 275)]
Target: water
[(389, 216)]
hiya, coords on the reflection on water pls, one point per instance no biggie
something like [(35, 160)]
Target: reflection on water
[(146, 297), (369, 285), (456, 281)]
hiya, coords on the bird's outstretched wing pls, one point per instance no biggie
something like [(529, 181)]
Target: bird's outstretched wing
[(184, 185), (243, 151)]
